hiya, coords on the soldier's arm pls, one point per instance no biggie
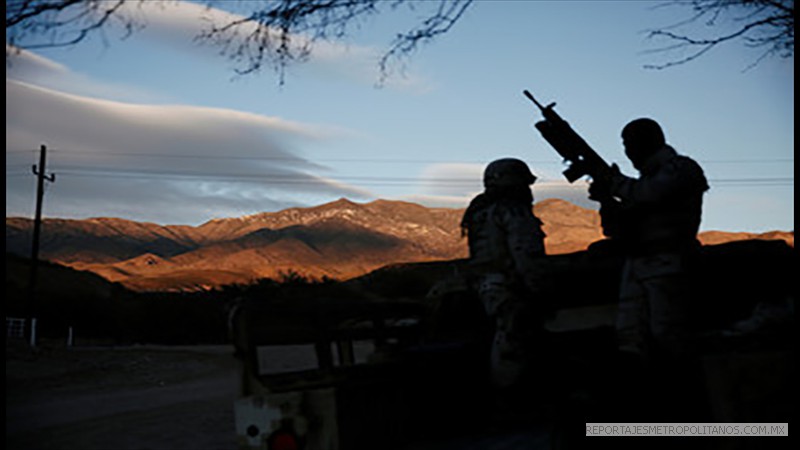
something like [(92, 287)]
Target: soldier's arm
[(680, 176), (525, 239)]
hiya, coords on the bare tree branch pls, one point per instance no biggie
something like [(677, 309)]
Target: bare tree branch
[(284, 31), (273, 33), (33, 24), (767, 24), (406, 43), (278, 33)]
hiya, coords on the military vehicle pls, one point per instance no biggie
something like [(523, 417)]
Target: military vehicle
[(397, 358)]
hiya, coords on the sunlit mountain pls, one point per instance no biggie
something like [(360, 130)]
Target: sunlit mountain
[(338, 240)]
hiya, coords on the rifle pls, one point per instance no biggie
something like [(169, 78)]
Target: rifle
[(582, 160)]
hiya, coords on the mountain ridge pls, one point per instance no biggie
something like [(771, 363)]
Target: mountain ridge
[(341, 240)]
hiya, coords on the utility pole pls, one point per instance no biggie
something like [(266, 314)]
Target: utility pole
[(37, 225)]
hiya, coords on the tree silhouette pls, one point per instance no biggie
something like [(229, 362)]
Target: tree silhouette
[(277, 33), (274, 33), (33, 24), (766, 24)]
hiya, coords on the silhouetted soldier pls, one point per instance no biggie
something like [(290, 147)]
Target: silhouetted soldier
[(505, 239), (656, 219)]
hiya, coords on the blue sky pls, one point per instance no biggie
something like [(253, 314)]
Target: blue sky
[(158, 128)]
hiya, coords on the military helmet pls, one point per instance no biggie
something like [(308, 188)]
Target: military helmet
[(507, 172)]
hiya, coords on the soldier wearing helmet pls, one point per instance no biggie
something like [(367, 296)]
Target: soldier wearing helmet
[(505, 239)]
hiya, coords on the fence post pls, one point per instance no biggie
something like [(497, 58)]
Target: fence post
[(33, 332)]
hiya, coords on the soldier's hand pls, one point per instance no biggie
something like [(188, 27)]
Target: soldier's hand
[(598, 191), (615, 179)]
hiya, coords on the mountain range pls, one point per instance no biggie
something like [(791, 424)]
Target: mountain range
[(338, 240)]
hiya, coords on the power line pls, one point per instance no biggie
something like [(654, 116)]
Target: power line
[(354, 160), (89, 170), (263, 178), (289, 179), (258, 158)]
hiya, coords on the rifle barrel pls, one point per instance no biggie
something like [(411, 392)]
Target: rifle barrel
[(530, 96)]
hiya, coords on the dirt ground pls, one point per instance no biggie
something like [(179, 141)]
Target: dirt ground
[(100, 398), (148, 398)]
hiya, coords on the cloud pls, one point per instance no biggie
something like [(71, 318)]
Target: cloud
[(576, 193), (453, 185), (438, 201), (24, 64), (158, 162), (180, 23), (31, 68), (333, 60), (452, 179)]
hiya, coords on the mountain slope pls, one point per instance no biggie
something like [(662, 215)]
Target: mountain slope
[(338, 240), (101, 240)]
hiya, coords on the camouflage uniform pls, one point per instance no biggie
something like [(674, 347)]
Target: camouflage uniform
[(505, 239), (657, 219)]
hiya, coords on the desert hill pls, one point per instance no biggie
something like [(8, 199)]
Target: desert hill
[(338, 240)]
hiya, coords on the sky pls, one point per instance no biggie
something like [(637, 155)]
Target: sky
[(156, 127)]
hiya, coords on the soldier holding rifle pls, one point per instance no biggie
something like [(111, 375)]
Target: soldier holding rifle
[(655, 219)]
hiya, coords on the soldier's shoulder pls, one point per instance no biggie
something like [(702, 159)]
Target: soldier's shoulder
[(683, 163), (686, 160), (690, 171)]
